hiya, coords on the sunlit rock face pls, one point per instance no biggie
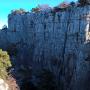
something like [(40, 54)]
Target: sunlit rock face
[(57, 41), (3, 85)]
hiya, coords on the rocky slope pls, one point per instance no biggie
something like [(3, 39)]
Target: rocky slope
[(57, 41), (3, 85)]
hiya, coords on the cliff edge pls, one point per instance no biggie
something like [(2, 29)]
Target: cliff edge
[(57, 41)]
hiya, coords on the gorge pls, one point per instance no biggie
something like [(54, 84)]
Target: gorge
[(55, 41)]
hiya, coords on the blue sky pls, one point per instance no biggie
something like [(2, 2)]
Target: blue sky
[(7, 5)]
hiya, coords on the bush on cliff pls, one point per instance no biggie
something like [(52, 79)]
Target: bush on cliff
[(41, 8), (4, 64), (35, 9), (18, 11), (72, 3)]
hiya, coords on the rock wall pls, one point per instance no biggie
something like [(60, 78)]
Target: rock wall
[(58, 41)]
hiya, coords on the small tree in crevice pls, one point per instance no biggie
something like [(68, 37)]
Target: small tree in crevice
[(4, 64)]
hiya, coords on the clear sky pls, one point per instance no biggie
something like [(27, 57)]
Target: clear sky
[(7, 5)]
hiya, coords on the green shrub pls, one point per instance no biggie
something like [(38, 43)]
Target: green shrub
[(35, 9), (4, 64)]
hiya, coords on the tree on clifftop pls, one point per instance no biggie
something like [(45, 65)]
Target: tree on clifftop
[(18, 11)]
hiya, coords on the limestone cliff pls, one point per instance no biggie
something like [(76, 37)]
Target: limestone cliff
[(58, 41)]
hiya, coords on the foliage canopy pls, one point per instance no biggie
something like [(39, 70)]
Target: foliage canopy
[(4, 64)]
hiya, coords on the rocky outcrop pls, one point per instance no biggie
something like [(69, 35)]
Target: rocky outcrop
[(9, 84), (57, 41), (3, 85), (12, 84)]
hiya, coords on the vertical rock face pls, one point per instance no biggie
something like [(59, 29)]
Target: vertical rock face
[(55, 41)]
